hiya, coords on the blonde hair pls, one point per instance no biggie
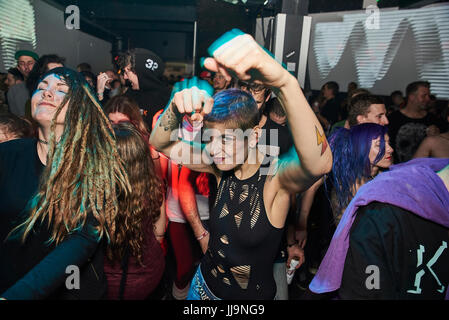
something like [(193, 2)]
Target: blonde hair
[(83, 174)]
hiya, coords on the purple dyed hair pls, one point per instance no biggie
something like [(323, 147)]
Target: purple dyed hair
[(350, 150)]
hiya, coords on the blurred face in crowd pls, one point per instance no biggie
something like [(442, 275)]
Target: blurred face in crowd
[(377, 114), (421, 97), (258, 93), (219, 82), (387, 159), (118, 117), (327, 93), (25, 64), (281, 120), (130, 75), (111, 75), (397, 100), (10, 80), (352, 86), (90, 81), (48, 96)]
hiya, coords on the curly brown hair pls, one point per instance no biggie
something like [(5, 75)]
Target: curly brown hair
[(142, 205)]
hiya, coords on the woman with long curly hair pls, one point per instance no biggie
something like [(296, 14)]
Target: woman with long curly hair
[(59, 195), (135, 261)]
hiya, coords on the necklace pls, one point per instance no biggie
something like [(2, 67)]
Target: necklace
[(46, 142)]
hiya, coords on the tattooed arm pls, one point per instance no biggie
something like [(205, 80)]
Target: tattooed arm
[(163, 133), (295, 171), (238, 54), (164, 136), (311, 157)]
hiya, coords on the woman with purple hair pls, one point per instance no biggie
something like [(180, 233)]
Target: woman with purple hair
[(359, 154)]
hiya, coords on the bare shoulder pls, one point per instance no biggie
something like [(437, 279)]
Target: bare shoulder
[(430, 141), (425, 147), (435, 142)]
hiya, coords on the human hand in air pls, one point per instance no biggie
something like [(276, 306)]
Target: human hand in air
[(238, 54), (102, 79), (192, 97)]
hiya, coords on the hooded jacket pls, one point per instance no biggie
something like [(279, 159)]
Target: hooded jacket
[(413, 186), (153, 95)]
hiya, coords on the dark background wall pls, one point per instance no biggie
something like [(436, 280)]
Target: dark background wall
[(215, 18)]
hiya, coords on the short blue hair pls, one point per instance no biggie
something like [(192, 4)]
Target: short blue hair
[(235, 108)]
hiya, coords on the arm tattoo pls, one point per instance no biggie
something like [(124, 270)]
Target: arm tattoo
[(321, 139), (170, 120)]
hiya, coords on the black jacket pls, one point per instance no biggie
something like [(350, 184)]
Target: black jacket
[(153, 95)]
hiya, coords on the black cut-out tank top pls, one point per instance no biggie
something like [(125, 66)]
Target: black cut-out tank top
[(243, 244)]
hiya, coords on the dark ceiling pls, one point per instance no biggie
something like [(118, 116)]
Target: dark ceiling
[(124, 17), (134, 23)]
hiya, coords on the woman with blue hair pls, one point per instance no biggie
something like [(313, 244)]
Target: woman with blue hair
[(253, 194), (359, 154)]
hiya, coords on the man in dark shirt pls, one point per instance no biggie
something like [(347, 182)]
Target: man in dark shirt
[(331, 108), (411, 124), (144, 69)]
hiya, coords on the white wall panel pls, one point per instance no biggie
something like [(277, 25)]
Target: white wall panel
[(373, 51)]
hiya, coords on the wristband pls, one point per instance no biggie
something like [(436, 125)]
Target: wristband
[(205, 233)]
